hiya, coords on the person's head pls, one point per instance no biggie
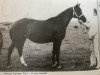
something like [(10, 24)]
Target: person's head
[(86, 27)]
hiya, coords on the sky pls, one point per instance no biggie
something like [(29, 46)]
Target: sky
[(12, 10)]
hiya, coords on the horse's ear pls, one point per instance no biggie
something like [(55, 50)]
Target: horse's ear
[(78, 4)]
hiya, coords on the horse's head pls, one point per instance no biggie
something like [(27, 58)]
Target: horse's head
[(77, 13)]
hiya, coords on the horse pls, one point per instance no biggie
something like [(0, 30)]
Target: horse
[(43, 31)]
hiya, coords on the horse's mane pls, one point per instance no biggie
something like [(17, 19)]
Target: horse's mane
[(52, 19), (64, 12), (59, 16)]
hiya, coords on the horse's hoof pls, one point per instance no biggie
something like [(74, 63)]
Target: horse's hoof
[(24, 64), (92, 65), (98, 67), (54, 65), (8, 66), (59, 67)]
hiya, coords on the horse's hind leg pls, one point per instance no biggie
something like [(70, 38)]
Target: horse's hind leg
[(9, 53), (20, 49)]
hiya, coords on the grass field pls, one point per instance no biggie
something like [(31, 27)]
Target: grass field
[(74, 54)]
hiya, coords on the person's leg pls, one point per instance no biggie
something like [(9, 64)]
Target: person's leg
[(92, 56), (96, 51)]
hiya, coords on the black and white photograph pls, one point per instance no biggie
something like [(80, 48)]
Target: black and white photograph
[(49, 35)]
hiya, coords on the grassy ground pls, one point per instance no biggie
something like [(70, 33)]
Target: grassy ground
[(74, 53)]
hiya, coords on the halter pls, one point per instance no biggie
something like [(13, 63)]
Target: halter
[(76, 13)]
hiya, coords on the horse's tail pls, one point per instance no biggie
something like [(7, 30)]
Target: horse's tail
[(1, 42)]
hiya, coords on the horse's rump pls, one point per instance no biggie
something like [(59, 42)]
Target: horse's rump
[(19, 28)]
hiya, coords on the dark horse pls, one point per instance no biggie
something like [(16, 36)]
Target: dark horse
[(50, 30)]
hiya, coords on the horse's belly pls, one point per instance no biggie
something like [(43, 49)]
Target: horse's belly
[(39, 38)]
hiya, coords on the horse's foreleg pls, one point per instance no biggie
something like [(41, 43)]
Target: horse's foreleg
[(53, 58), (56, 51), (9, 54)]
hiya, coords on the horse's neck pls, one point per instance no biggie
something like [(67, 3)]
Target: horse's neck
[(64, 17)]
